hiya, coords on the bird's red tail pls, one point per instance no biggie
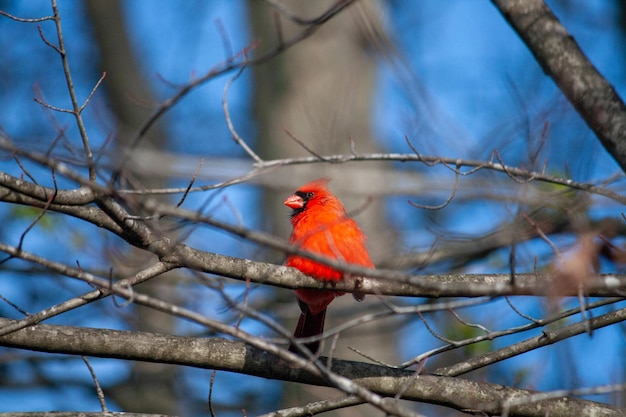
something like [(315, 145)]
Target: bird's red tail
[(309, 325)]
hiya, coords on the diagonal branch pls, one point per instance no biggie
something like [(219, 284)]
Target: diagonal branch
[(103, 291), (562, 59), (235, 356), (548, 337)]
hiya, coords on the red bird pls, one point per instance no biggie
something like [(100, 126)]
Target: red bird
[(321, 225)]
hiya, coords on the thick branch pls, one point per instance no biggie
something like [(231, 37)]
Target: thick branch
[(233, 356), (380, 282), (389, 282), (560, 57), (77, 197), (87, 213)]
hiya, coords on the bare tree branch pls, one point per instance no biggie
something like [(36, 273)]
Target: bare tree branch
[(381, 282), (233, 356), (492, 335), (269, 165), (76, 107), (548, 337), (562, 59)]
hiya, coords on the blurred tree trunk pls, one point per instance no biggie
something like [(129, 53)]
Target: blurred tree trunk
[(150, 387), (322, 91)]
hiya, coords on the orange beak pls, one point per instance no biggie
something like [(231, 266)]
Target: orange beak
[(295, 202)]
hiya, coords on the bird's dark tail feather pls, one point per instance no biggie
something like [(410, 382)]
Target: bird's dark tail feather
[(309, 325)]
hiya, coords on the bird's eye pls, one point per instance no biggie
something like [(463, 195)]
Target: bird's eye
[(305, 196)]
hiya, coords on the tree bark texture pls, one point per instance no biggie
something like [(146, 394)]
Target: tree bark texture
[(562, 59), (234, 356)]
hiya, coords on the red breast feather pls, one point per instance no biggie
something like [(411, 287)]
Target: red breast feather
[(321, 225)]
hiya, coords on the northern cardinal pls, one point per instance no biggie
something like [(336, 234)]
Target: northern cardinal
[(321, 225)]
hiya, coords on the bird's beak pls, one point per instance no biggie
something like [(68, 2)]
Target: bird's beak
[(295, 202)]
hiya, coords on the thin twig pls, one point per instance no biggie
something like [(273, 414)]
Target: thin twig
[(99, 391), (210, 400), (468, 324), (191, 182), (317, 407), (15, 306), (417, 153), (24, 170), (228, 66), (519, 313), (229, 121), (542, 235), (500, 333), (54, 108), (548, 337), (46, 41), (72, 92), (445, 203), (73, 303), (434, 333), (521, 180), (40, 214), (304, 145), (228, 48), (92, 92), (261, 168), (584, 314), (26, 20), (371, 358)]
